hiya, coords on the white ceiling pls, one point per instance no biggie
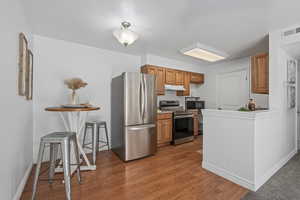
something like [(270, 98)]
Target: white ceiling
[(237, 27)]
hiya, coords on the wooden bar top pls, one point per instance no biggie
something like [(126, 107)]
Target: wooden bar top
[(65, 109)]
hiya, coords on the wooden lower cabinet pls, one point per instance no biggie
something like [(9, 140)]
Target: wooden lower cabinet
[(196, 125), (164, 128), (196, 121)]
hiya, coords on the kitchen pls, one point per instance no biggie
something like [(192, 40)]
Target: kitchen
[(181, 94), (145, 127), (169, 85)]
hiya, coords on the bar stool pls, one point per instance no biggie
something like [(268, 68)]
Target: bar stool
[(95, 126), (64, 140)]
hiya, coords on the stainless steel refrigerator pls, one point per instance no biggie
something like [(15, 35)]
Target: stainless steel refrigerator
[(133, 115)]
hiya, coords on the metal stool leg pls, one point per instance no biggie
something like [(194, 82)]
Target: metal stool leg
[(75, 143), (53, 157), (38, 168), (65, 147), (94, 143), (106, 133)]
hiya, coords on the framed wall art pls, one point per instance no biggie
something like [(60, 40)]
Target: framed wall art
[(29, 76), (23, 62), (291, 83)]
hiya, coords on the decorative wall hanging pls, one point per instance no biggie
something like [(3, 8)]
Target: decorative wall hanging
[(23, 62), (29, 76), (291, 83)]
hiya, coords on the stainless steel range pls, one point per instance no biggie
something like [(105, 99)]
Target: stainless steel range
[(183, 122)]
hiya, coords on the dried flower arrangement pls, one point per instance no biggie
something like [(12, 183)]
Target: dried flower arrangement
[(74, 84)]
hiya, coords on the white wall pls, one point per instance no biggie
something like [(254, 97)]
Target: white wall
[(298, 104), (209, 89), (170, 63), (284, 130), (56, 60), (16, 112)]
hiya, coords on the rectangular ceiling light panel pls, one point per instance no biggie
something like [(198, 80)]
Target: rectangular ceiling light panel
[(204, 53)]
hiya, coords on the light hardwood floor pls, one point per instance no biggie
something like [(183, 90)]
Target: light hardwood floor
[(175, 172)]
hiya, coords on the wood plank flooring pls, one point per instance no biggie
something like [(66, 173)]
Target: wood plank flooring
[(174, 173)]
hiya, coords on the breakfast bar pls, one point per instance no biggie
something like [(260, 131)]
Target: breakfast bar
[(239, 145)]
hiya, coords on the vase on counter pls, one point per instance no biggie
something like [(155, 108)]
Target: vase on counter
[(74, 97), (251, 105), (74, 84)]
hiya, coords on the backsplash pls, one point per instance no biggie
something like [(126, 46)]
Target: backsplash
[(171, 95)]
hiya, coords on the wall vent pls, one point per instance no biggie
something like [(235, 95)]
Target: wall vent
[(291, 32)]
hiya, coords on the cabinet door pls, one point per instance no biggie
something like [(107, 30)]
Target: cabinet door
[(151, 70), (179, 77), (196, 125), (260, 74), (159, 72), (164, 131), (186, 84), (160, 81), (159, 131), (197, 78), (170, 77)]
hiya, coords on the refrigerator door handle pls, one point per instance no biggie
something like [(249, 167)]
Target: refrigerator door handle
[(141, 127), (143, 97), (140, 99)]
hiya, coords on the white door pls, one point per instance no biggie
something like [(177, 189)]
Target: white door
[(232, 90)]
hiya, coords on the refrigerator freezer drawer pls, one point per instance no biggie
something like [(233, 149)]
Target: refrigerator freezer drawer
[(140, 141)]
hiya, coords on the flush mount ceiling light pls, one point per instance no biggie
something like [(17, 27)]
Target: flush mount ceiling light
[(124, 35), (204, 52)]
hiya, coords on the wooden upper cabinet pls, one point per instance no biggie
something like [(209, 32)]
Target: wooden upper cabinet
[(179, 77), (186, 85), (260, 73), (160, 80), (159, 72), (197, 78), (170, 76), (174, 77)]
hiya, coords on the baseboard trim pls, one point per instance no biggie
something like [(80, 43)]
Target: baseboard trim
[(254, 186), (273, 170), (22, 184), (228, 175)]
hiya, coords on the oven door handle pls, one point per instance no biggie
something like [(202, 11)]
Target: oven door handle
[(183, 116)]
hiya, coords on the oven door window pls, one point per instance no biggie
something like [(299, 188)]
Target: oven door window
[(183, 127)]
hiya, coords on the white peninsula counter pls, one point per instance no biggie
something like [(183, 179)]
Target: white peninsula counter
[(240, 146)]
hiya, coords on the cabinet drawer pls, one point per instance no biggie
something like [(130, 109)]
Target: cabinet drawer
[(164, 116)]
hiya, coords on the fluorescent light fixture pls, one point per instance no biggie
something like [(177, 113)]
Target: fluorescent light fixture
[(204, 52)]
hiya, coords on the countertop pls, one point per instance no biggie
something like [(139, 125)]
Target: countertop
[(164, 112), (237, 114)]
